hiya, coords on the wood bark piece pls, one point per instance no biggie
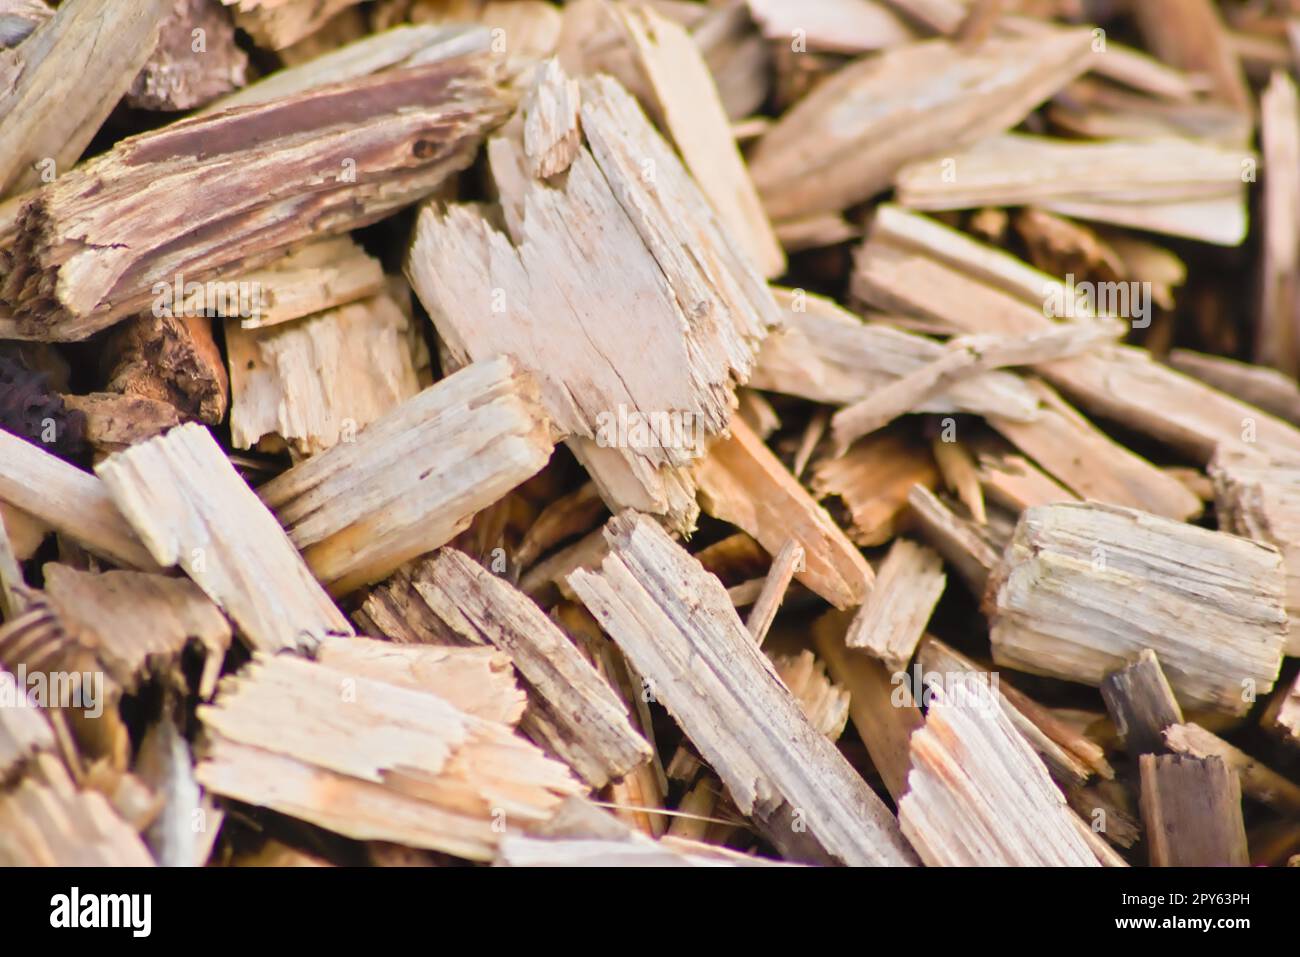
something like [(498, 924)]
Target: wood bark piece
[(1083, 588), (409, 44), (690, 110), (574, 713), (172, 359), (47, 115), (68, 500), (1258, 781), (881, 707), (963, 358), (1275, 323), (49, 822), (827, 354), (1192, 811), (672, 620), (129, 625), (415, 477), (401, 765), (892, 620), (919, 266), (196, 60), (319, 381), (1257, 496), (115, 421), (322, 275), (191, 508), (742, 482), (978, 796), (94, 244), (1142, 704), (827, 153), (638, 403), (1177, 187)]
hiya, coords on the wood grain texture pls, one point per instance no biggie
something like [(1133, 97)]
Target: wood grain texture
[(413, 478), (1192, 811), (191, 508), (320, 381), (892, 620), (93, 245), (677, 627), (978, 796), (402, 764), (47, 115), (696, 319), (741, 481), (1083, 588), (1142, 704), (1258, 496), (916, 265), (65, 498), (827, 152), (573, 712)]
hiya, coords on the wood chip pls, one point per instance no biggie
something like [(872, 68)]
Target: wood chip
[(48, 117), (1142, 704), (190, 508), (978, 796), (1192, 811), (195, 62), (828, 153), (1257, 496), (71, 272), (743, 483), (72, 501), (320, 381), (637, 407), (882, 708), (49, 822), (401, 765), (671, 619), (1177, 187), (126, 624), (1085, 587), (573, 714), (415, 477), (893, 618)]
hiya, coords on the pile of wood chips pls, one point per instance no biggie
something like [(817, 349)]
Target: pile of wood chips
[(729, 433)]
